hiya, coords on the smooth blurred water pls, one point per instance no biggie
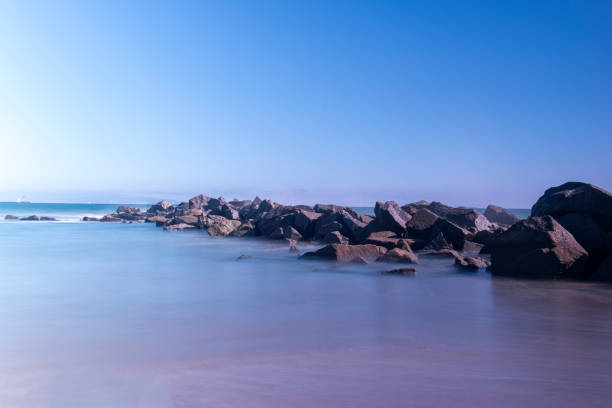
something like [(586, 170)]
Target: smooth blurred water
[(120, 315), (60, 211)]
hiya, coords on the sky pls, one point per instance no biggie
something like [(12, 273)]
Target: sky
[(468, 103)]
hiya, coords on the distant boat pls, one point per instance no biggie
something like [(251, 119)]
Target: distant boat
[(22, 200)]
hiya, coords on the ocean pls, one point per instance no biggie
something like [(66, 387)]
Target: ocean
[(128, 315)]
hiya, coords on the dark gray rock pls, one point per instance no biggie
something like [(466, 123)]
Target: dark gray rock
[(500, 215), (421, 224), (446, 231), (10, 217), (86, 218), (390, 216), (603, 273), (538, 247), (589, 235), (409, 271), (576, 197), (30, 218), (335, 237), (161, 207), (200, 201)]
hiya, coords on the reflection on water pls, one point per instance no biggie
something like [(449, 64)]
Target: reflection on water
[(113, 315)]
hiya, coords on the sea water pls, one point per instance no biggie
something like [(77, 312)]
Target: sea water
[(129, 315)]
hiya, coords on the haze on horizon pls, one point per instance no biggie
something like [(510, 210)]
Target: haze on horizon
[(468, 103)]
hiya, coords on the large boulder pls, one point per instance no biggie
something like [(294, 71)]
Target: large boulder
[(538, 247), (500, 215), (421, 224), (589, 235), (347, 253), (576, 197), (390, 216)]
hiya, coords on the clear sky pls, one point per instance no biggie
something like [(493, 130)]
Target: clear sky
[(344, 101)]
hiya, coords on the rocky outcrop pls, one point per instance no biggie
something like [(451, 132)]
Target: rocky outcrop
[(500, 215), (10, 217), (347, 253), (86, 218), (538, 247)]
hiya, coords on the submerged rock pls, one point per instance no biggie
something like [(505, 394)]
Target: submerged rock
[(400, 271), (471, 263), (347, 253), (244, 256)]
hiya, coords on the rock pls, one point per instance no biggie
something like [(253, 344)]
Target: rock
[(161, 207), (293, 248), (200, 201), (604, 271), (353, 225), (178, 227), (446, 253), (331, 208), (466, 218), (366, 219), (390, 216), (576, 197), (500, 215), (244, 256), (589, 235), (292, 233), (31, 218), (437, 243), (537, 247), (347, 253), (187, 219), (218, 226), (471, 263), (421, 224), (86, 218), (335, 237), (400, 271), (450, 233), (321, 230), (47, 219), (386, 239), (157, 219), (110, 218), (399, 255), (10, 217), (304, 222), (244, 230), (229, 212)]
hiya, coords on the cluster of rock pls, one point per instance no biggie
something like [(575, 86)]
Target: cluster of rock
[(391, 235), (568, 234), (29, 218)]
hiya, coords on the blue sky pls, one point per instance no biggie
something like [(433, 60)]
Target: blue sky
[(344, 101)]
